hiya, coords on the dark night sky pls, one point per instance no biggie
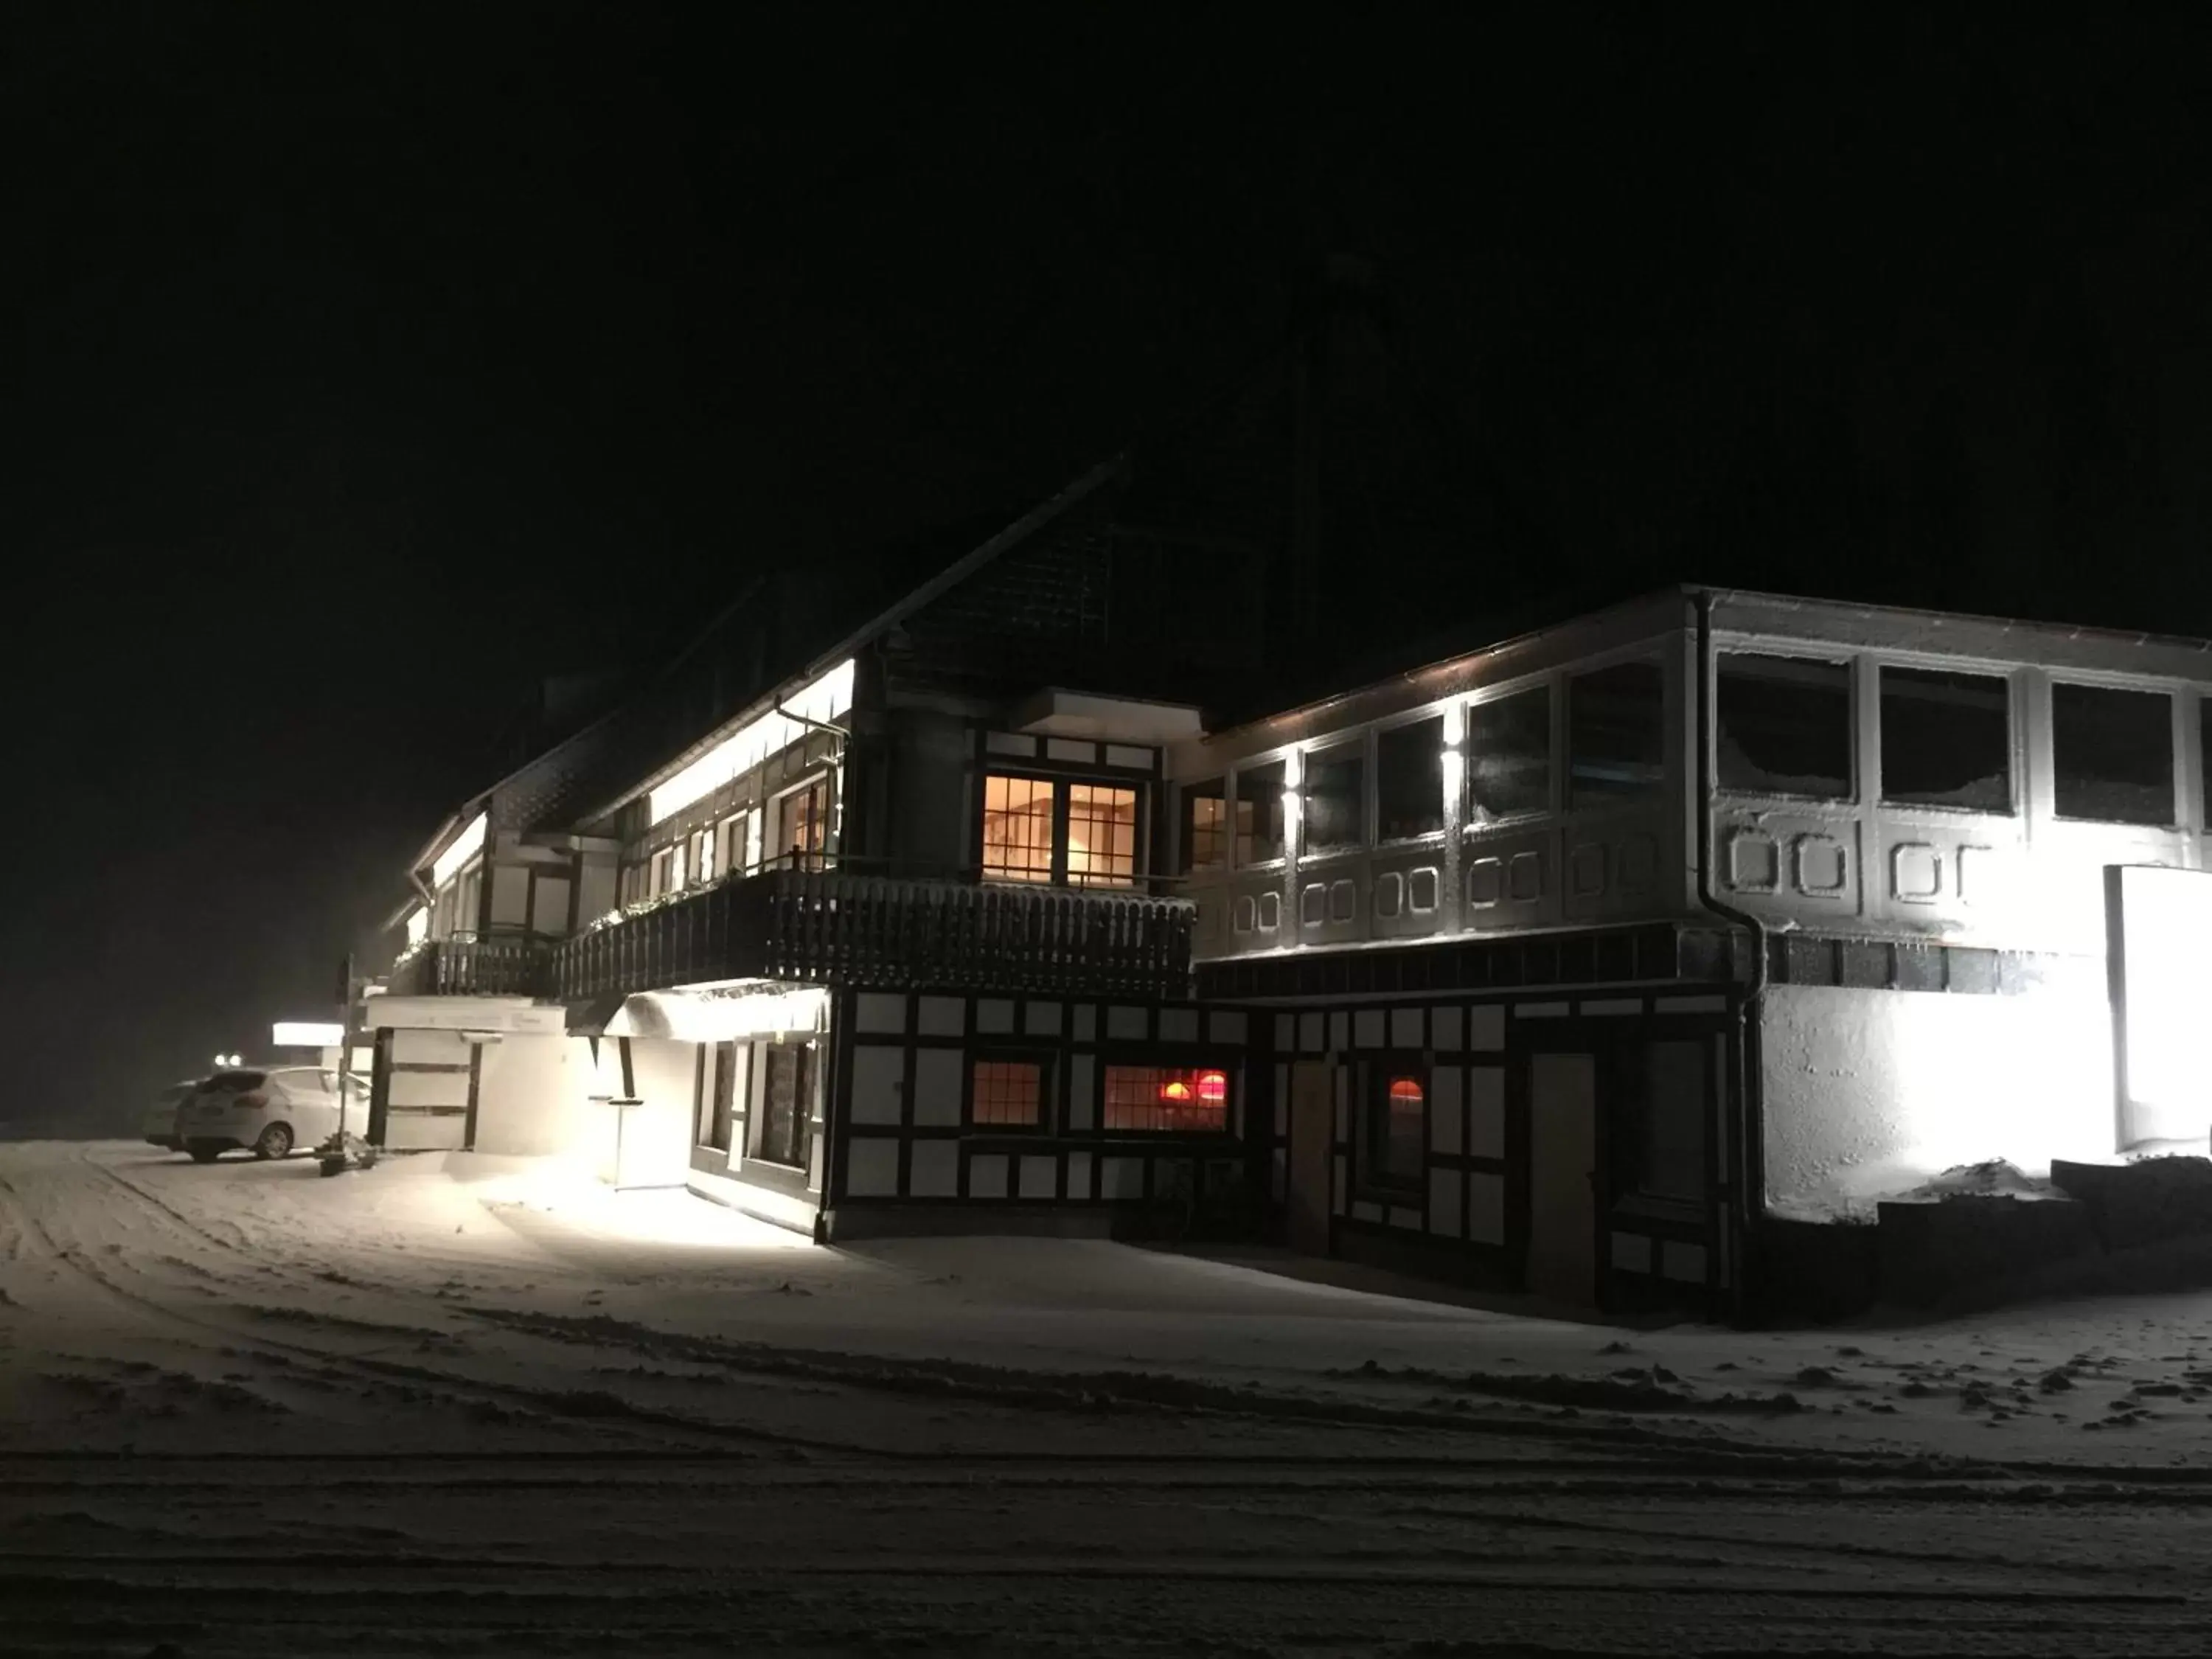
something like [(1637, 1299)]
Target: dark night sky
[(375, 361)]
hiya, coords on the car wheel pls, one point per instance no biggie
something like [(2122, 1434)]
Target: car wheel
[(205, 1154), (276, 1142)]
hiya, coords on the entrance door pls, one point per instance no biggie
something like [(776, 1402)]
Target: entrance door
[(1313, 1132), (1562, 1176)]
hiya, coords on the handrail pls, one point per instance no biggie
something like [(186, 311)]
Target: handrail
[(840, 927)]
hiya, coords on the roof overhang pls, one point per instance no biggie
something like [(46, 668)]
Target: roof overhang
[(1055, 713), (513, 1016), (723, 1013)]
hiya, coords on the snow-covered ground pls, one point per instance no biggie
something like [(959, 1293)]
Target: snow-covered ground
[(458, 1404)]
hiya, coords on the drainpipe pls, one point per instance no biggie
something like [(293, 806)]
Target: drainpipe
[(1751, 1183)]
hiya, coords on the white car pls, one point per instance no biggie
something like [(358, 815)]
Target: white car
[(162, 1115), (268, 1112)]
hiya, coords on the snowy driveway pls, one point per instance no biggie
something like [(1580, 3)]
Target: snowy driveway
[(450, 1403)]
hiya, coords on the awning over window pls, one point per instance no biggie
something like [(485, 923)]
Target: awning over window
[(722, 1014)]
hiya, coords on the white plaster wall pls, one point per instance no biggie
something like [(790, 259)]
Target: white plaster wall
[(657, 1138), (527, 1103), (1869, 1091)]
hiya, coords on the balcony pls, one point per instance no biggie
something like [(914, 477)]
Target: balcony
[(840, 929), (463, 966)]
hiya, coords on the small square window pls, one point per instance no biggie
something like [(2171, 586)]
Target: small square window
[(1007, 1094)]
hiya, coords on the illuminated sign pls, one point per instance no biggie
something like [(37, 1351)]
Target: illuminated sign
[(824, 699), (2159, 933), (307, 1034)]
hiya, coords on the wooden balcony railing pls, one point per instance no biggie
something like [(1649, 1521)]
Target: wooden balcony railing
[(840, 929), (463, 967)]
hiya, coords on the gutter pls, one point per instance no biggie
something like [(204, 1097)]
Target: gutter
[(1750, 1183)]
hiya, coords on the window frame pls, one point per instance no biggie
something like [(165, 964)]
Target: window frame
[(2174, 817), (1177, 1058), (1854, 665), (824, 856), (1371, 1126), (808, 1062), (1272, 759), (1045, 1060), (1062, 783), (1444, 803), (1875, 788), (1563, 735), (1548, 687), (1360, 745), (1233, 836)]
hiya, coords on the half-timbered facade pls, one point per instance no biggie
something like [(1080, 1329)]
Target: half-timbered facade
[(1562, 964)]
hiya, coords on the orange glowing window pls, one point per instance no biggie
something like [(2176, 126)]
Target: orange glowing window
[(1007, 1093), (1018, 821), (1167, 1098), (1102, 835)]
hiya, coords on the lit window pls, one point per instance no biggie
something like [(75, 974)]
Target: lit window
[(1259, 813), (1409, 780), (1017, 815), (1102, 835), (1006, 1093), (1509, 756), (1397, 1127), (1336, 797), (1616, 732), (2111, 753), (1782, 727), (1169, 1099), (1946, 739), (802, 834)]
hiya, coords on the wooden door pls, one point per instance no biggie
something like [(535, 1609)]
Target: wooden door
[(1562, 1176), (1308, 1187)]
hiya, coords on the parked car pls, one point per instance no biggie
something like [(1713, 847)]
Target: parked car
[(162, 1115), (268, 1112)]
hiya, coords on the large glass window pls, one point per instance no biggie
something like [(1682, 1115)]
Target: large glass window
[(1783, 725), (1006, 1094), (1259, 813), (1946, 739), (1336, 797), (1186, 1099), (1017, 817), (1395, 1123), (1509, 756), (2111, 753), (1409, 780), (1102, 835), (1616, 732)]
